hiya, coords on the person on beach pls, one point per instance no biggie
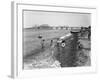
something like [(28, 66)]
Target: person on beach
[(42, 43), (51, 42)]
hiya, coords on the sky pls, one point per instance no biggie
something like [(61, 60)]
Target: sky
[(32, 18)]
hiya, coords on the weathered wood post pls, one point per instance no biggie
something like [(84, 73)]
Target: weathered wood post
[(74, 48), (67, 50)]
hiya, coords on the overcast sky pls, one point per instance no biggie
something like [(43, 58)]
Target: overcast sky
[(32, 18)]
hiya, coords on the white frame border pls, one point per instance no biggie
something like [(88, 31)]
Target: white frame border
[(16, 70)]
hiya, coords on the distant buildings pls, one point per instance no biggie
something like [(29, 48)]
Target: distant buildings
[(47, 27)]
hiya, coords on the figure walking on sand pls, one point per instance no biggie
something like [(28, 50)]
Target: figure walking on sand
[(42, 43), (51, 42)]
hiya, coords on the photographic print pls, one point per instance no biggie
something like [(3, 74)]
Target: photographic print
[(54, 39)]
